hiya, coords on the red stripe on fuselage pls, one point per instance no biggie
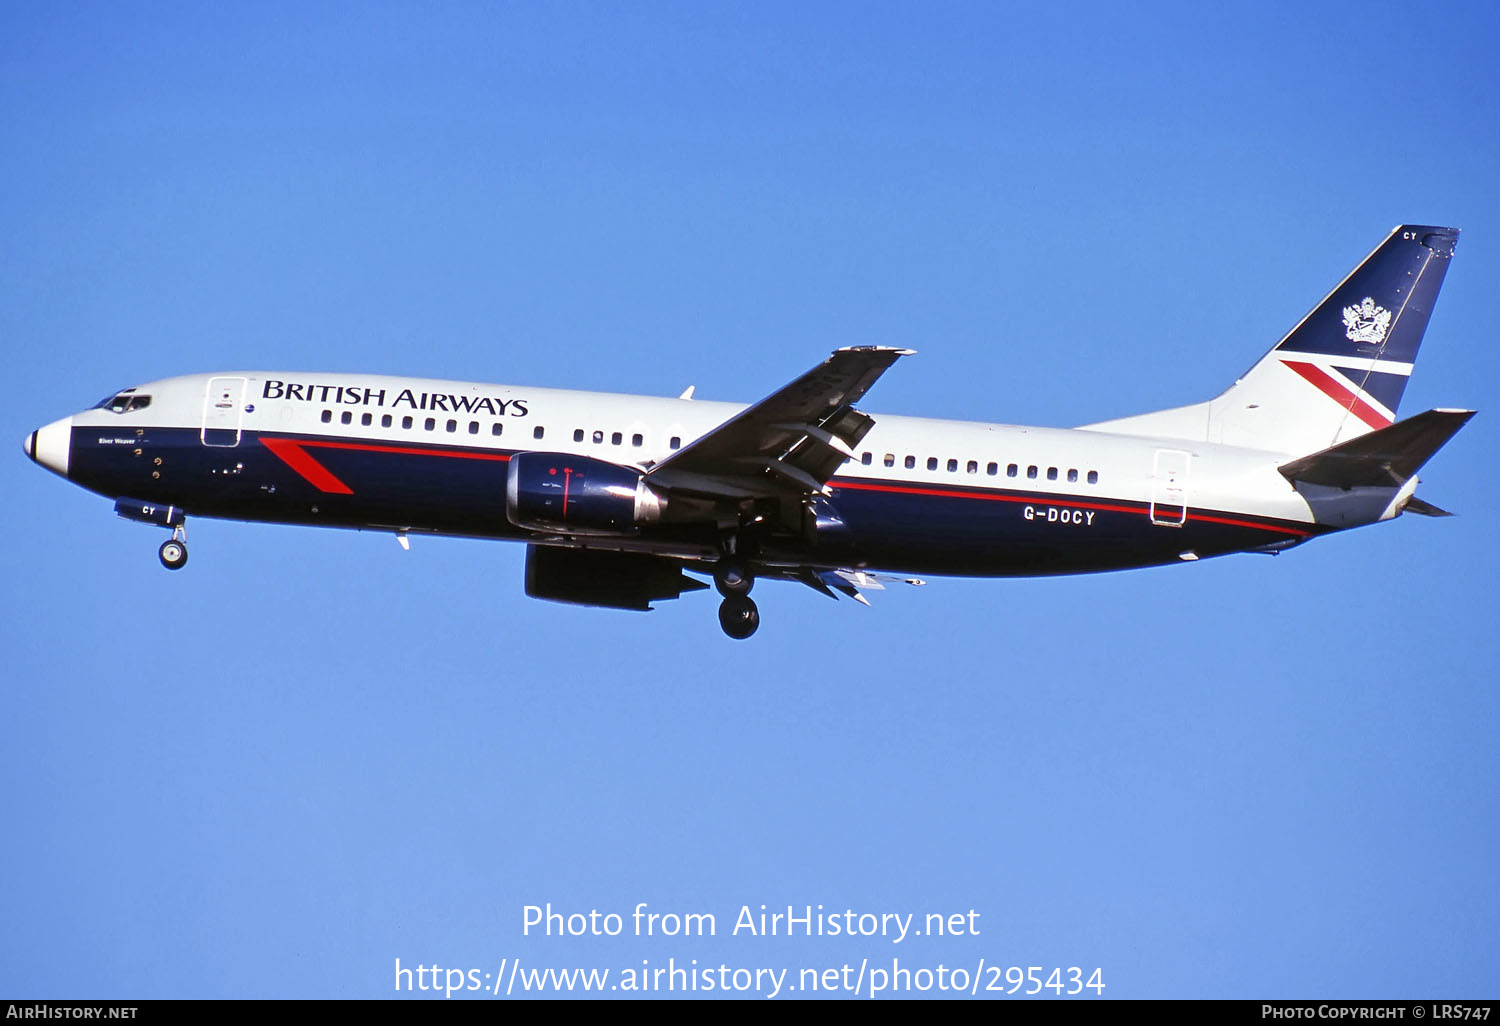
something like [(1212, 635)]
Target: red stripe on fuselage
[(291, 451), (1054, 500), (1331, 387)]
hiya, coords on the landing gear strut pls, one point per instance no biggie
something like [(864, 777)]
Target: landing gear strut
[(173, 551), (737, 613)]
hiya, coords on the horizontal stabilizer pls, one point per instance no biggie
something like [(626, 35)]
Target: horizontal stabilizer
[(1385, 458)]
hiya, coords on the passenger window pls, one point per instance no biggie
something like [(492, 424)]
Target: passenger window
[(953, 466), (867, 458), (496, 428), (616, 438), (366, 420), (1051, 473), (992, 469), (1072, 476), (385, 421), (538, 431), (452, 426), (578, 434), (598, 437), (676, 442), (1031, 473), (911, 463), (327, 416), (473, 427), (1012, 470), (932, 463), (890, 459), (637, 440), (1093, 477), (346, 417), (973, 467), (406, 423), (429, 424)]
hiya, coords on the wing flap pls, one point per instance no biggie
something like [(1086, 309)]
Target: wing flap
[(790, 442), (853, 583)]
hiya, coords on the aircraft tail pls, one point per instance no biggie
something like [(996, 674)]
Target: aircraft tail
[(1387, 458), (1374, 476), (1340, 372)]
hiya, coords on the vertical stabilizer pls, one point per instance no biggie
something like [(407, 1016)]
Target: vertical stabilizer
[(1341, 371)]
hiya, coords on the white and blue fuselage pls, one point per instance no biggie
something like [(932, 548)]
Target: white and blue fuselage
[(803, 485)]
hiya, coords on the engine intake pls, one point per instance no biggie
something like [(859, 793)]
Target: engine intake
[(547, 491)]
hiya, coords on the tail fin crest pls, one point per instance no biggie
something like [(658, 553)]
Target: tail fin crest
[(1358, 346)]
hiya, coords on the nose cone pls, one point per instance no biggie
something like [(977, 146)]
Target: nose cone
[(50, 446)]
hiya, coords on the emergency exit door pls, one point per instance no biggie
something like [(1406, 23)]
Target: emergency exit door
[(1169, 487), (223, 410)]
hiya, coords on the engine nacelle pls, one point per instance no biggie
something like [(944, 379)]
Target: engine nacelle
[(614, 580), (549, 491)]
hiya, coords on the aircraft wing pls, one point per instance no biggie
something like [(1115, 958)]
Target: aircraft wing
[(790, 442)]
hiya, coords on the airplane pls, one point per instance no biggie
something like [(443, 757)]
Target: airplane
[(620, 498)]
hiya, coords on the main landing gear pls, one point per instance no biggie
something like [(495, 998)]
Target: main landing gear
[(739, 617), (737, 613), (173, 551)]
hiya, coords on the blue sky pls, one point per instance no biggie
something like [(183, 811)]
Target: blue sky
[(310, 754)]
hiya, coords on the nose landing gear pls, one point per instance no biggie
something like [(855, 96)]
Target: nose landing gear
[(173, 552)]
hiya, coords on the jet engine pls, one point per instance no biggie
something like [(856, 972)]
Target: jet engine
[(614, 580), (546, 491)]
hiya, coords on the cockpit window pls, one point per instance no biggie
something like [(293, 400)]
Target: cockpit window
[(125, 402)]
